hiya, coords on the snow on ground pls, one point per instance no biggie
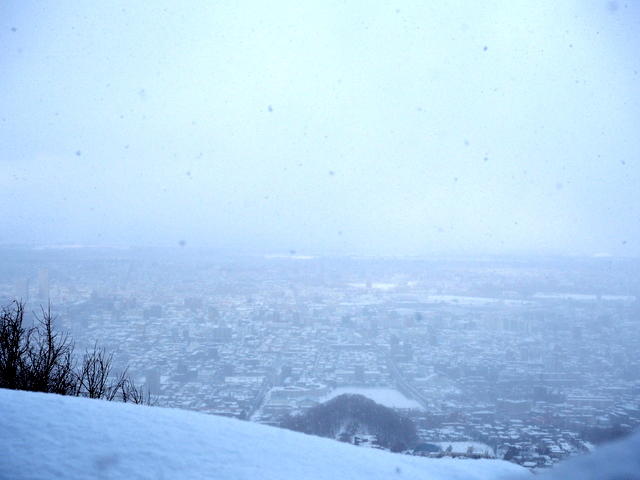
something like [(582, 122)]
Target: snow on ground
[(584, 297), (46, 436), (477, 301), (384, 396), (614, 461), (376, 286), (462, 447)]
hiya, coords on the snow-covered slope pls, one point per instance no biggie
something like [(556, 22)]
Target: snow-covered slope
[(618, 460), (45, 436)]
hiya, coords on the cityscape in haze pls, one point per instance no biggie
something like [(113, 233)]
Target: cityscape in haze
[(528, 359), (406, 226)]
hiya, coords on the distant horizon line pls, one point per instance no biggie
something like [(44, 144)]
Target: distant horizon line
[(307, 254)]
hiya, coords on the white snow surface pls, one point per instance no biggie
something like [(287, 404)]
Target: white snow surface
[(46, 436), (619, 460), (384, 396)]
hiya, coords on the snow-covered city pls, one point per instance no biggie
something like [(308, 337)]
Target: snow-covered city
[(531, 361)]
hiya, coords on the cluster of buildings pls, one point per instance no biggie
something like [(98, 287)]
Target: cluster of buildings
[(534, 361)]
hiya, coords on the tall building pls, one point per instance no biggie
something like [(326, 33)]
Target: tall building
[(43, 285), (22, 290), (153, 381)]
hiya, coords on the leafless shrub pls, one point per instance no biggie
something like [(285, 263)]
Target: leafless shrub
[(15, 342), (41, 359), (95, 377), (50, 364), (132, 393)]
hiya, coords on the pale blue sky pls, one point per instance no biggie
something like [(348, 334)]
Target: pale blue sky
[(325, 127)]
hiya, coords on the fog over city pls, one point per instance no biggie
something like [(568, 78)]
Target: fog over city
[(412, 227)]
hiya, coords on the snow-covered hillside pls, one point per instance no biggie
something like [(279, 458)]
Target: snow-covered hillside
[(618, 460), (45, 436)]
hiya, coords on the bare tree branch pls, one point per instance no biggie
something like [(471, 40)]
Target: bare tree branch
[(42, 359)]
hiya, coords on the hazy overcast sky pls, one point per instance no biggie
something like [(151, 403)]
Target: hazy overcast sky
[(325, 127)]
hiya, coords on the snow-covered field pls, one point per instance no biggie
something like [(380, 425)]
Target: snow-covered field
[(45, 436), (384, 396), (476, 301), (584, 297)]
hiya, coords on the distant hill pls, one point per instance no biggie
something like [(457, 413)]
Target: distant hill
[(47, 436), (348, 415)]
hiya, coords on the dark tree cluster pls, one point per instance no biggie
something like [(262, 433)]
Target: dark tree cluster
[(40, 359), (352, 414)]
